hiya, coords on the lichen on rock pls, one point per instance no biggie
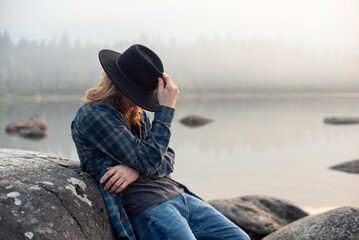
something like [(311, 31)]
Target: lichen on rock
[(35, 201), (77, 188)]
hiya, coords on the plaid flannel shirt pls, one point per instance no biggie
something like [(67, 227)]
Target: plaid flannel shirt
[(103, 138)]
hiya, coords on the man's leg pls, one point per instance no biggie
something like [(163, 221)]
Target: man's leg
[(207, 223), (167, 220)]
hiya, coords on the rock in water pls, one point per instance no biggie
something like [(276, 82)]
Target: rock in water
[(258, 215), (43, 196), (195, 121), (351, 166), (35, 122), (34, 128), (343, 120), (338, 224)]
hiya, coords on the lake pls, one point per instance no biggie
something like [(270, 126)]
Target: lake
[(265, 145)]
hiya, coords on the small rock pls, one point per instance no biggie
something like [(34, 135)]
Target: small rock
[(338, 224), (343, 120), (350, 167), (195, 121), (35, 122), (258, 215), (34, 128)]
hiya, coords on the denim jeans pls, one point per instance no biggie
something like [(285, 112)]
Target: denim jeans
[(185, 217)]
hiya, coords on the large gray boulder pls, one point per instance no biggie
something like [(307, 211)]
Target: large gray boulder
[(43, 196), (338, 224), (258, 215), (350, 167)]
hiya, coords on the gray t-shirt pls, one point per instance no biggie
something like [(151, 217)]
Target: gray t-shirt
[(146, 192)]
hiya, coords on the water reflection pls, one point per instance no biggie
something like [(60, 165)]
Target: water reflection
[(268, 146)]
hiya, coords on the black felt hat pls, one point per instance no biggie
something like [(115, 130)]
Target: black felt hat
[(135, 73)]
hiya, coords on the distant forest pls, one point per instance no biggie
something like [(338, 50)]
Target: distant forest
[(208, 65)]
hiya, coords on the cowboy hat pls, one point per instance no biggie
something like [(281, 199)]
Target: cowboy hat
[(135, 73)]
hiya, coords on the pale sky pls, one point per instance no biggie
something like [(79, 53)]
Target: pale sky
[(332, 23)]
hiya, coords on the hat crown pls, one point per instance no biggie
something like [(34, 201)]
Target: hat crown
[(141, 67), (134, 73)]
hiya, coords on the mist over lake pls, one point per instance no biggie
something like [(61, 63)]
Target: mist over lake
[(209, 65)]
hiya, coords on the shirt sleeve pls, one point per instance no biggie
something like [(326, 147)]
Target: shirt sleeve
[(110, 135), (168, 162), (167, 165)]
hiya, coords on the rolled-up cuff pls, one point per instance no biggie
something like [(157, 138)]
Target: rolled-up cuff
[(164, 114)]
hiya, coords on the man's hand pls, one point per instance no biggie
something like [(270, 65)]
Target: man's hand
[(118, 178), (167, 92)]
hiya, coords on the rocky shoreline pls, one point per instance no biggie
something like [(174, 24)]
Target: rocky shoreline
[(43, 196)]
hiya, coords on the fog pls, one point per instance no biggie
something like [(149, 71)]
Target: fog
[(207, 46)]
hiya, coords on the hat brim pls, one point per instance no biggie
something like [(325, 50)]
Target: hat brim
[(145, 100)]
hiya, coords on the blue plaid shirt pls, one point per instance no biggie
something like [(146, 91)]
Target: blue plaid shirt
[(103, 138)]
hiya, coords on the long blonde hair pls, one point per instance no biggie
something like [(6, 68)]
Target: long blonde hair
[(107, 92)]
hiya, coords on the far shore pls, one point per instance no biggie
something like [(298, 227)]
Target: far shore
[(187, 95)]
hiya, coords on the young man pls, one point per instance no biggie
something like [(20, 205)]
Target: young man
[(130, 156)]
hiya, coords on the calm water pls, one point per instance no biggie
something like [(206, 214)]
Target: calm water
[(268, 146)]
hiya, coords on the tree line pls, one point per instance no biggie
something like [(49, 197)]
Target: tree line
[(208, 65)]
